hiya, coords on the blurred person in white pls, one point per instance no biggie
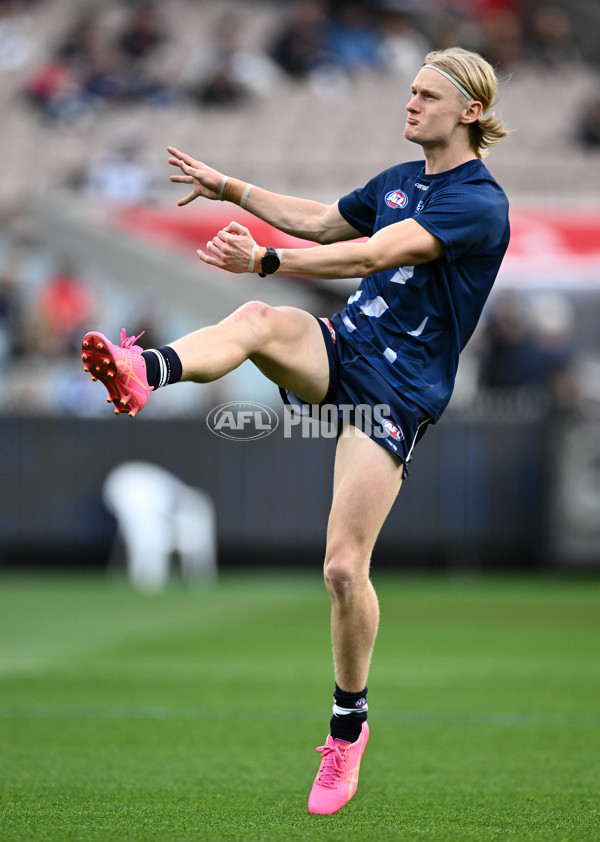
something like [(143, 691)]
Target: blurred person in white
[(178, 520), (436, 232)]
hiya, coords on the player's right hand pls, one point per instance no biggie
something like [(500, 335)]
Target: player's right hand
[(204, 180), (230, 249)]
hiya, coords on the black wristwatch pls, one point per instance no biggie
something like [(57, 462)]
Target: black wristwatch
[(270, 263)]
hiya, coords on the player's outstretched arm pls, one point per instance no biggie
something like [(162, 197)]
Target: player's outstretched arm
[(303, 218), (404, 243)]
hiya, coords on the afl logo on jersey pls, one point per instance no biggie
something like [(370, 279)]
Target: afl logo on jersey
[(392, 429), (396, 199)]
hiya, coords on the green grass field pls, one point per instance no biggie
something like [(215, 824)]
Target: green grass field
[(194, 714)]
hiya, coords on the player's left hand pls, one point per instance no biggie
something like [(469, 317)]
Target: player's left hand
[(229, 249)]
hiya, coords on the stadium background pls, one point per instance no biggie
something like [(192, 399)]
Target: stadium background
[(191, 713), (91, 237)]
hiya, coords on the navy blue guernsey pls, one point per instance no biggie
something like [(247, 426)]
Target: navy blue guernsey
[(412, 322)]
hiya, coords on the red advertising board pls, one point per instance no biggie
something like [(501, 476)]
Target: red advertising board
[(548, 248)]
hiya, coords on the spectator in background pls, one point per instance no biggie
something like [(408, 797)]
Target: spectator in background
[(588, 132), (529, 346), (110, 79), (144, 32), (403, 43), (300, 46), (17, 35), (503, 34), (91, 66), (56, 92), (57, 87), (224, 71), (116, 78), (354, 38), (81, 43), (554, 325), (123, 173), (210, 76), (64, 307), (11, 307), (493, 27), (552, 40)]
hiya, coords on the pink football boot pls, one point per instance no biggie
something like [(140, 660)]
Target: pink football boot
[(121, 370), (337, 777)]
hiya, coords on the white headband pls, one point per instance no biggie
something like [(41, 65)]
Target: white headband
[(450, 78)]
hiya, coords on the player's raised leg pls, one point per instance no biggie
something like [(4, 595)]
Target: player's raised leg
[(366, 482), (285, 343)]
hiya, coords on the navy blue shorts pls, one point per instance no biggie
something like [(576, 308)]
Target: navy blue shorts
[(358, 394)]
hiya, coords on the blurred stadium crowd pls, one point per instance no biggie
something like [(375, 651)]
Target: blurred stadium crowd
[(303, 96)]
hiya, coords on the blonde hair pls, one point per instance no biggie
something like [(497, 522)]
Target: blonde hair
[(478, 78)]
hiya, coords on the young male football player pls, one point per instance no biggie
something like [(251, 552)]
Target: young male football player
[(437, 231)]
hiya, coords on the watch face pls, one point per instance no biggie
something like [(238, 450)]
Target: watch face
[(270, 263)]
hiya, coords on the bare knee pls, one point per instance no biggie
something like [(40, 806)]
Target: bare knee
[(346, 573), (256, 319)]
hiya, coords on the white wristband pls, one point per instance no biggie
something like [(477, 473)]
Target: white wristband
[(255, 248), (224, 181), (245, 196)]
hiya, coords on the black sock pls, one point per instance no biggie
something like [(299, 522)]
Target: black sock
[(163, 366), (349, 713)]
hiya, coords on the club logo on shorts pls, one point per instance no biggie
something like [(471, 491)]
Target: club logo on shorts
[(396, 199), (330, 328), (392, 429)]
